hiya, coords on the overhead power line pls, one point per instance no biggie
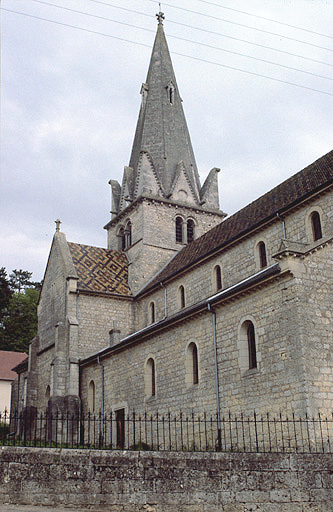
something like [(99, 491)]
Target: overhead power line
[(260, 18), (215, 33), (245, 26), (184, 39), (174, 53)]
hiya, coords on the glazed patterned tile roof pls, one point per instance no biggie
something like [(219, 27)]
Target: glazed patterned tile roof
[(316, 176), (100, 270)]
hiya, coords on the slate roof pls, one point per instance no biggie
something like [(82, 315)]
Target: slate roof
[(8, 360), (316, 176), (100, 270)]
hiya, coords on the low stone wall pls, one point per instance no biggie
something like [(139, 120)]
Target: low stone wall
[(166, 482)]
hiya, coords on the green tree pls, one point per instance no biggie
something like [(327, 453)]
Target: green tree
[(20, 324), (5, 292), (18, 309), (19, 280)]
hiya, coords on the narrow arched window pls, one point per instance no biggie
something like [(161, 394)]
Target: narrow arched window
[(47, 393), (179, 229), (150, 378), (192, 365), (91, 396), (251, 346), (316, 226), (262, 254), (182, 296), (218, 278), (128, 234), (190, 231), (121, 240), (152, 312), (195, 367)]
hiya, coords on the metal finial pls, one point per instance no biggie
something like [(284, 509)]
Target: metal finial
[(57, 223), (160, 16)]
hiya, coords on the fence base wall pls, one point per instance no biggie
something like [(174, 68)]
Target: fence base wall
[(166, 481)]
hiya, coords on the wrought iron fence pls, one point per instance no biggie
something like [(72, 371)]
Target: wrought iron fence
[(169, 432)]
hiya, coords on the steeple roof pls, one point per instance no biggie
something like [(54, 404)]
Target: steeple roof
[(162, 162), (161, 130)]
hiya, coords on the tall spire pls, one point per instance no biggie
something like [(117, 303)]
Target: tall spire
[(161, 131), (162, 161)]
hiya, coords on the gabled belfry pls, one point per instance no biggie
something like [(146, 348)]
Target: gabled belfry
[(162, 162), (160, 197)]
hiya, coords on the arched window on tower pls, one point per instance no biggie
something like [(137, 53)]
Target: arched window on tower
[(150, 378), (316, 226), (190, 231), (262, 254), (121, 240), (48, 393), (128, 234), (179, 230)]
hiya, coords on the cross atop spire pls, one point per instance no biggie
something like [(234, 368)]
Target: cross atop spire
[(160, 15), (57, 223)]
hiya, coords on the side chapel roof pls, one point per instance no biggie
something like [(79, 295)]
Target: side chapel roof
[(100, 270), (310, 180)]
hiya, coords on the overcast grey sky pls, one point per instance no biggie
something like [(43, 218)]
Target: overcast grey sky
[(70, 101)]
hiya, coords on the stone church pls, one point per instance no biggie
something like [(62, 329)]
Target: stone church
[(187, 308)]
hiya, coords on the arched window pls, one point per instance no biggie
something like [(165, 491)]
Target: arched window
[(181, 292), (121, 240), (190, 231), (251, 341), (48, 393), (150, 378), (179, 230), (218, 278), (316, 226), (262, 254), (152, 312), (247, 345), (91, 396), (128, 234), (192, 365)]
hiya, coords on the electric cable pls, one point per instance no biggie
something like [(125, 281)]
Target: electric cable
[(214, 33), (174, 53), (184, 39)]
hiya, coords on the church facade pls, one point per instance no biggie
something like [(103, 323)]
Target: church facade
[(187, 309)]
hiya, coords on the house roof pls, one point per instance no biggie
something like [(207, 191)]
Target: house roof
[(312, 179), (8, 360), (100, 270)]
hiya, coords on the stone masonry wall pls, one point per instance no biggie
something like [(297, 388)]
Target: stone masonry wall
[(277, 384), (96, 317), (166, 481), (237, 262)]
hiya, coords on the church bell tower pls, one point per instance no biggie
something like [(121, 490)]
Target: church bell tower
[(160, 205)]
